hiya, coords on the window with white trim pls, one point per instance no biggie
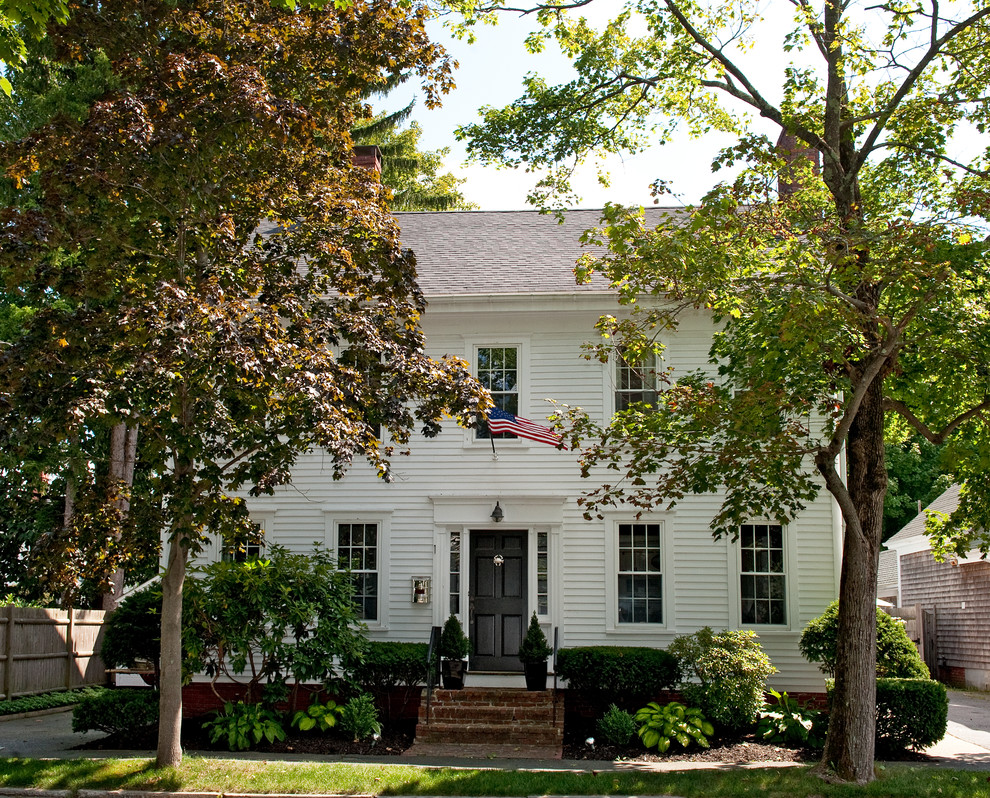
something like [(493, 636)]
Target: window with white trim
[(248, 548), (762, 578), (640, 573), (358, 550), (635, 383), (497, 369)]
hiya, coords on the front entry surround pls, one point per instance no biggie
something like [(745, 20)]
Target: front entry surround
[(466, 518)]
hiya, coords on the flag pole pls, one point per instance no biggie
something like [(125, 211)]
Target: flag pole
[(491, 437)]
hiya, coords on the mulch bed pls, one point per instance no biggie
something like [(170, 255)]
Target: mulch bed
[(399, 736)]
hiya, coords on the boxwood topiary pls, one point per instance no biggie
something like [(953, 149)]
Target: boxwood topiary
[(632, 671), (911, 713)]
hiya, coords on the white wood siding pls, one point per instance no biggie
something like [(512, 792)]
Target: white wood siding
[(529, 479)]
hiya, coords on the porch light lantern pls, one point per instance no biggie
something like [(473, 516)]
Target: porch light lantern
[(421, 590), (497, 514)]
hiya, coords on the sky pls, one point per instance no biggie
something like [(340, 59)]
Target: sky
[(491, 73)]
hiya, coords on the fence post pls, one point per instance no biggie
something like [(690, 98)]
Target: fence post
[(919, 613), (8, 661), (70, 648)]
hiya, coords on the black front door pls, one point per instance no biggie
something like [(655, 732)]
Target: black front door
[(498, 599)]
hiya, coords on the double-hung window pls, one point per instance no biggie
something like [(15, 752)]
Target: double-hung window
[(248, 548), (498, 371), (358, 549), (640, 573), (762, 578), (635, 383)]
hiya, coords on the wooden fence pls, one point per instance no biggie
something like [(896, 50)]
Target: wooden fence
[(43, 650), (921, 626)]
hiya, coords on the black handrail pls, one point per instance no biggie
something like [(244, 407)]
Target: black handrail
[(556, 641), (432, 667)]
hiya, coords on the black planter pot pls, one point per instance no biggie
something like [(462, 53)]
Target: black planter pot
[(452, 671), (536, 675)]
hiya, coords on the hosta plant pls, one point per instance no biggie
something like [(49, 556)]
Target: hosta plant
[(321, 717), (245, 725), (659, 726), (789, 723)]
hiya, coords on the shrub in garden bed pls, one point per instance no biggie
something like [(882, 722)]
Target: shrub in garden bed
[(911, 713), (632, 671), (386, 665), (731, 669), (117, 711), (897, 656)]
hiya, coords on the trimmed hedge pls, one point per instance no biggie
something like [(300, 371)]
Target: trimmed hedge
[(633, 671), (388, 664), (119, 710), (33, 703), (911, 713)]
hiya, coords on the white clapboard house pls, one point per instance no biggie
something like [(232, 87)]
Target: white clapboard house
[(493, 538)]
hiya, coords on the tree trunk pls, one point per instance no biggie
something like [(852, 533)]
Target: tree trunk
[(849, 747), (170, 685), (123, 452)]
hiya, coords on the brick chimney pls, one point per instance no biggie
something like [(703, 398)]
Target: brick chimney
[(792, 148), (368, 156)]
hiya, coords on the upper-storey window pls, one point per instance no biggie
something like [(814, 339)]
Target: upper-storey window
[(762, 586), (498, 372), (635, 382)]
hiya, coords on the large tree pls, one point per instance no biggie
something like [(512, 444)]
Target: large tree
[(844, 267), (199, 253)]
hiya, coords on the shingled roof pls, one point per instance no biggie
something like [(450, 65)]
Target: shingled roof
[(465, 253)]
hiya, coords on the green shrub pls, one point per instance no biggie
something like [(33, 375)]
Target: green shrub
[(34, 703), (911, 713), (633, 671), (534, 647), (321, 717), (132, 632), (116, 711), (661, 726), (454, 644), (731, 669), (359, 719), (616, 726), (789, 723), (245, 725), (387, 664), (897, 656)]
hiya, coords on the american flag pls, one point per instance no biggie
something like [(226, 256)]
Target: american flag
[(503, 421)]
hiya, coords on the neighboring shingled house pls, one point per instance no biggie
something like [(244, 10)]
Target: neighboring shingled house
[(957, 591), (502, 295)]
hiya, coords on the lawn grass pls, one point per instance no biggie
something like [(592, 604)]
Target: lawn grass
[(256, 776)]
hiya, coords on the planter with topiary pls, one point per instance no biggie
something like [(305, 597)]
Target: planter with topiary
[(533, 653), (454, 649)]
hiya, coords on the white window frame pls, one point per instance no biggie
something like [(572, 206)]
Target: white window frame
[(616, 365), (521, 345), (331, 542), (790, 594), (264, 519), (612, 624)]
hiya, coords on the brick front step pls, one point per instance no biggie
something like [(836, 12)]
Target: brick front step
[(487, 733), (501, 717)]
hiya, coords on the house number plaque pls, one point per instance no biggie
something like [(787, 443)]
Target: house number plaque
[(498, 559)]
